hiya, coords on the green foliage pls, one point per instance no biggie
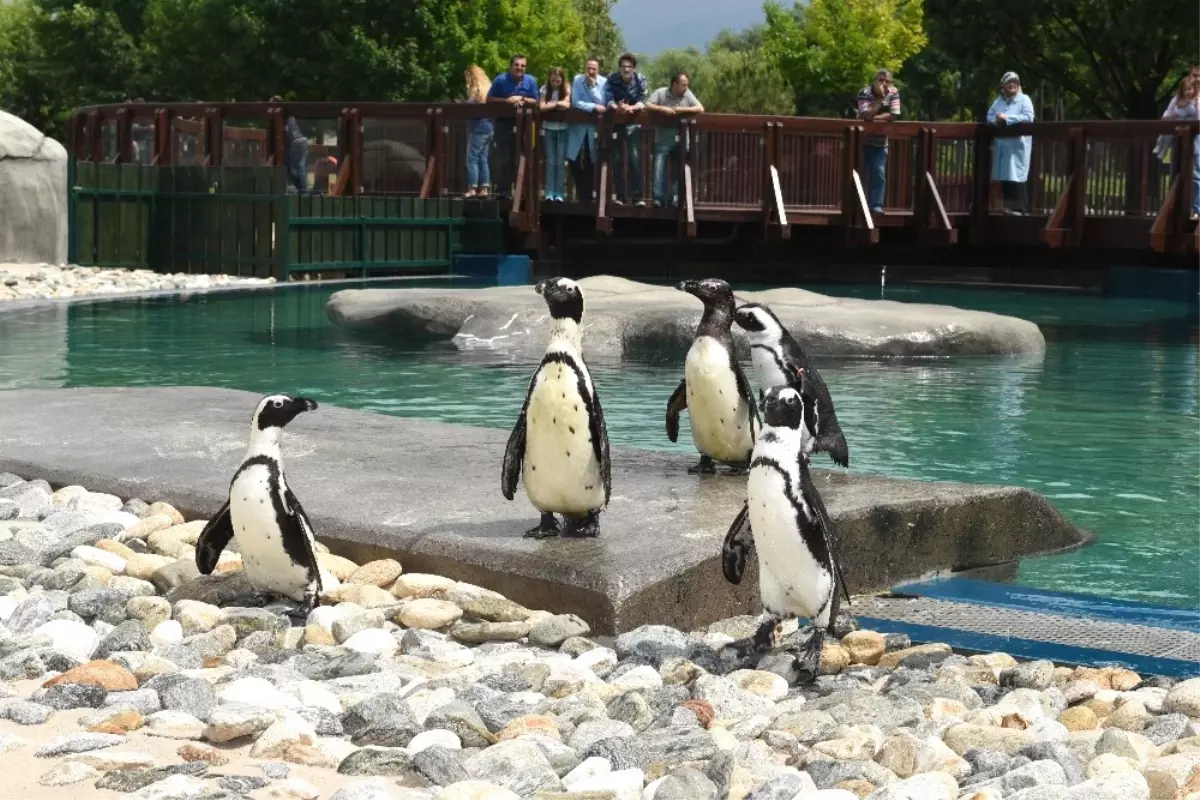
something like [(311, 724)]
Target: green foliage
[(549, 33), (1118, 61), (733, 77), (831, 48), (601, 36)]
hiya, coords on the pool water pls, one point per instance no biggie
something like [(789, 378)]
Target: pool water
[(1105, 424)]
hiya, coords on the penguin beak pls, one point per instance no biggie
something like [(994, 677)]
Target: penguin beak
[(691, 287), (541, 286), (304, 404)]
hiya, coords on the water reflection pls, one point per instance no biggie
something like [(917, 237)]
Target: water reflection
[(1105, 423)]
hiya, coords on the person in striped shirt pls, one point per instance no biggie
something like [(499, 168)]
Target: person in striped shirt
[(879, 102)]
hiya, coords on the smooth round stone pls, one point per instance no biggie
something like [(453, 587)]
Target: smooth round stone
[(429, 614), (421, 584), (382, 573), (372, 640), (166, 633), (437, 736), (71, 637)]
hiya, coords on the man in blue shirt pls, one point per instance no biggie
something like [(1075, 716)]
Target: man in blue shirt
[(626, 90), (517, 89)]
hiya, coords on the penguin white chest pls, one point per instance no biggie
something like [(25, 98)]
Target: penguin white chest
[(790, 580), (766, 366), (267, 564), (722, 427), (560, 471)]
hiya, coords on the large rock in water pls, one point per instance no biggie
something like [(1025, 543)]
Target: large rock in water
[(625, 318), (33, 195)]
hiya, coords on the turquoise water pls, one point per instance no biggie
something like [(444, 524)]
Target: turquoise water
[(1105, 424)]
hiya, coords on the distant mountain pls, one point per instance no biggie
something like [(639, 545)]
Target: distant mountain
[(651, 26)]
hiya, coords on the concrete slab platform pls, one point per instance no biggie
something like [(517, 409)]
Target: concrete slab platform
[(428, 493)]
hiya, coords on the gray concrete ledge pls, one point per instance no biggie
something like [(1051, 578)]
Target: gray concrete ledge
[(429, 494), (41, 303), (626, 318)]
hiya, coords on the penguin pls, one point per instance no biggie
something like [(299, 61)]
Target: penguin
[(779, 361), (785, 521), (559, 445), (714, 389), (273, 533)]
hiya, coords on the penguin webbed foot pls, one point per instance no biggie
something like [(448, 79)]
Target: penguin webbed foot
[(706, 466), (748, 651), (588, 528), (738, 469), (808, 657), (547, 528)]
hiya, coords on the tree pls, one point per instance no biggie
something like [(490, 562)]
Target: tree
[(1119, 61), (829, 49), (726, 80), (601, 36)]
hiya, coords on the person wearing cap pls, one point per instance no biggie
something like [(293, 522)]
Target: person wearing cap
[(1010, 154), (879, 102)]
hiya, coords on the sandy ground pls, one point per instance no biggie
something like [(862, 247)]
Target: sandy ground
[(23, 768)]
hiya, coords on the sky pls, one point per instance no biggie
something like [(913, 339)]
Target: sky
[(651, 26)]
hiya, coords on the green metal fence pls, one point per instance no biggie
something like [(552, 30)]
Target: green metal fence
[(239, 221)]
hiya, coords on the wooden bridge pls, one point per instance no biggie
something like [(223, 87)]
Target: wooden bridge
[(1094, 187)]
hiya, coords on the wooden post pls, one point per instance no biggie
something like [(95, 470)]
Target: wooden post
[(687, 158), (981, 174), (534, 153), (440, 129), (276, 147), (430, 156), (768, 161), (604, 146), (1185, 152), (357, 179), (124, 136), (1078, 207), (214, 131), (925, 164), (164, 141)]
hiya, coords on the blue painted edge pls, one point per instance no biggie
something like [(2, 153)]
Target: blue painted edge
[(1031, 649), (1067, 604)]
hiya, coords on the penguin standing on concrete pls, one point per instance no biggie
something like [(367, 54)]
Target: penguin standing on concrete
[(714, 390), (273, 533), (559, 446), (779, 361), (785, 520)]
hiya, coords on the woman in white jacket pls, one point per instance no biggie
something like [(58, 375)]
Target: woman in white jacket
[(1010, 154)]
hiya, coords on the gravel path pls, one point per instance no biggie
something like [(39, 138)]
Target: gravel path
[(123, 675)]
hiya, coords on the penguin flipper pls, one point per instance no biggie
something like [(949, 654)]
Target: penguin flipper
[(743, 387), (213, 538), (739, 540), (306, 535), (514, 451), (675, 405), (813, 498), (599, 433)]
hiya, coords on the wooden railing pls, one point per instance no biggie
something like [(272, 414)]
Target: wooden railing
[(1091, 184)]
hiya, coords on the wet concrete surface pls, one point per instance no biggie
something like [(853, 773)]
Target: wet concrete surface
[(428, 493)]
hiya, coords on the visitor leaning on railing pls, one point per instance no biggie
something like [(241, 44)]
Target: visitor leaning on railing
[(674, 101), (1010, 154), (517, 89), (1185, 106), (626, 90), (479, 136), (556, 95), (587, 94), (879, 102)]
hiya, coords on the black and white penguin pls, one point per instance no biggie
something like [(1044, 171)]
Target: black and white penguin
[(785, 521), (714, 390), (273, 533), (779, 361), (559, 446)]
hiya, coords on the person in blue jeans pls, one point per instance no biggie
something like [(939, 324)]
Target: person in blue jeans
[(879, 102), (675, 100), (556, 96), (520, 91), (479, 137), (625, 90)]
